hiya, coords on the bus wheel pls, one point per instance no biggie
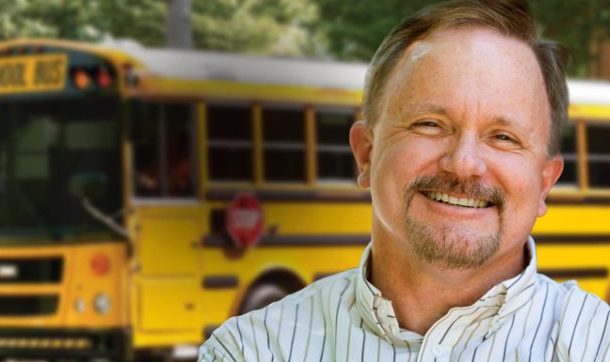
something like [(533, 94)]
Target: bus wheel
[(154, 355), (262, 295)]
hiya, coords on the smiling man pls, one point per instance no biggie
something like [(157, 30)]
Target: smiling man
[(459, 147)]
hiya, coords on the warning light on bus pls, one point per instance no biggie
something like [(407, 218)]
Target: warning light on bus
[(100, 264), (104, 79), (81, 79)]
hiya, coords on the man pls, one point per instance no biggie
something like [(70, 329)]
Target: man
[(460, 147)]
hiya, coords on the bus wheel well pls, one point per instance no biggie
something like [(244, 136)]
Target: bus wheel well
[(269, 287)]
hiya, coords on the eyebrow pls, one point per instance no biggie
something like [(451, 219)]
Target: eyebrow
[(423, 108)]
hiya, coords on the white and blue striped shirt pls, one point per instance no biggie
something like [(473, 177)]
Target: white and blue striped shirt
[(345, 318)]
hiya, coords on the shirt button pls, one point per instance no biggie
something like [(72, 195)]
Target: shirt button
[(439, 350)]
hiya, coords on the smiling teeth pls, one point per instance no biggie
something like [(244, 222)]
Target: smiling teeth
[(438, 196)]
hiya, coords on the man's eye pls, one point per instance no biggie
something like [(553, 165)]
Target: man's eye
[(505, 138), (427, 127), (505, 141), (426, 124)]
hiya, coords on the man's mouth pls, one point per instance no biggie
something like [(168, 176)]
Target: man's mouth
[(456, 201)]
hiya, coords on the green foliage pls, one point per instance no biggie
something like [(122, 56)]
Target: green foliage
[(87, 20), (577, 25), (355, 28), (141, 20), (342, 29), (283, 27)]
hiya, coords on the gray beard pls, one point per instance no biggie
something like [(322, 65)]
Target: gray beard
[(450, 249)]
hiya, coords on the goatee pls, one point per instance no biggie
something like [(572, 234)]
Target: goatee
[(452, 247)]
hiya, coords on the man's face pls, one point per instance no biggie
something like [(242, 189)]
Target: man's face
[(457, 163)]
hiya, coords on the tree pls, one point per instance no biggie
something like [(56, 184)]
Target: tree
[(355, 28), (141, 20), (341, 29), (281, 27), (579, 25), (83, 19)]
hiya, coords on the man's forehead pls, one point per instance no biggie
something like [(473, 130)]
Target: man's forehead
[(481, 47), (455, 38), (474, 61)]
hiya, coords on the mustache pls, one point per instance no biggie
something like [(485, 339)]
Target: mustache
[(450, 184)]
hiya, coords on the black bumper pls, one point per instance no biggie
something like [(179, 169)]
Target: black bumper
[(112, 344)]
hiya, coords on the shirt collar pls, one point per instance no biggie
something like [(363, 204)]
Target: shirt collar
[(378, 314)]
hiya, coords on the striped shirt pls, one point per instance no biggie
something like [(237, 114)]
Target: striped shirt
[(345, 318)]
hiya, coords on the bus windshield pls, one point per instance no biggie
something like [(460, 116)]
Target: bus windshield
[(46, 148)]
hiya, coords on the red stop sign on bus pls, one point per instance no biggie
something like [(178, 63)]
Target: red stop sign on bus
[(245, 220)]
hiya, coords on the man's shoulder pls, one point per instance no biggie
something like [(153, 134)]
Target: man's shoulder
[(581, 321), (568, 297), (580, 305), (272, 326)]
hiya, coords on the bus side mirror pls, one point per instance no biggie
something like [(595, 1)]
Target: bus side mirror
[(90, 186)]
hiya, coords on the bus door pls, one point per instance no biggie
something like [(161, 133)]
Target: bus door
[(168, 221)]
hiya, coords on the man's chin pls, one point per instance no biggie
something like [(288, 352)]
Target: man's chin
[(449, 248)]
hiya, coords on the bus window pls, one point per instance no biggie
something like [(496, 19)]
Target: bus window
[(335, 161), (284, 145), (90, 136), (230, 142), (568, 150), (49, 145), (36, 146), (598, 155), (146, 149), (179, 149), (163, 150)]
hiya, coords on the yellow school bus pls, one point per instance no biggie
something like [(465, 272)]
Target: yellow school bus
[(146, 195)]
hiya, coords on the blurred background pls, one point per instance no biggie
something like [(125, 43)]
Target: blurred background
[(165, 165), (323, 29)]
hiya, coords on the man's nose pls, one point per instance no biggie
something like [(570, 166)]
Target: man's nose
[(464, 157)]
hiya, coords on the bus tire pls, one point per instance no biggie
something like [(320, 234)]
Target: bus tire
[(154, 355), (262, 295)]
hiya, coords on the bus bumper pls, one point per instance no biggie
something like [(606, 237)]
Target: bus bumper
[(111, 344)]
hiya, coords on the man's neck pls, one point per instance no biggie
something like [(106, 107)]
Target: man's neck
[(422, 293)]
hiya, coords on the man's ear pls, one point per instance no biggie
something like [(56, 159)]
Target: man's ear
[(550, 174), (361, 141)]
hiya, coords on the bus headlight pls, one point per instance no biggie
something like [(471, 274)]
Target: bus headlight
[(79, 305), (102, 303)]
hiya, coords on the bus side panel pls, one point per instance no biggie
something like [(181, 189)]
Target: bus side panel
[(166, 285)]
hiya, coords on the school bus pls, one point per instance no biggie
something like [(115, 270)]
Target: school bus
[(146, 195)]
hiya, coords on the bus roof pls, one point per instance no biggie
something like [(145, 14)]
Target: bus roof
[(589, 92), (207, 65)]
